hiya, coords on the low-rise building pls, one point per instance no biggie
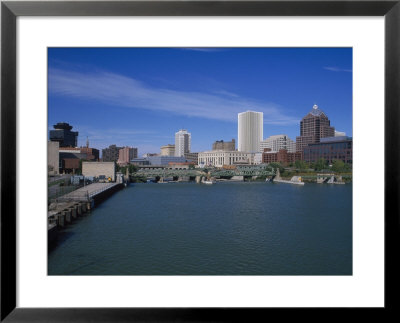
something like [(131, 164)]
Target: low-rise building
[(91, 154), (192, 157), (165, 160), (69, 160), (146, 155), (96, 169), (282, 156), (70, 157), (185, 165), (219, 158), (278, 142), (330, 149), (224, 145), (140, 161), (257, 158), (340, 134), (69, 165), (167, 150)]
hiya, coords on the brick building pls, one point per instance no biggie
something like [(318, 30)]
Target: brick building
[(126, 154), (314, 126), (282, 156), (92, 154), (111, 153), (69, 157)]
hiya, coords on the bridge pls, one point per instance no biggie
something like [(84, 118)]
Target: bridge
[(240, 170)]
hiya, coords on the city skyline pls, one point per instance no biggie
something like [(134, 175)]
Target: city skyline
[(141, 97)]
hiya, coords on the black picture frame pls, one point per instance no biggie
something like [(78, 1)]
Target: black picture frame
[(10, 10)]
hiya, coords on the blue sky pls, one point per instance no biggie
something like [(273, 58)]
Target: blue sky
[(140, 97)]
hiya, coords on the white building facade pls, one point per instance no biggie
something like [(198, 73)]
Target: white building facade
[(250, 131), (182, 142), (257, 158), (219, 158), (278, 142), (340, 134), (167, 150)]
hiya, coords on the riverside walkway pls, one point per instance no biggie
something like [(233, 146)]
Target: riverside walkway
[(88, 192), (64, 209)]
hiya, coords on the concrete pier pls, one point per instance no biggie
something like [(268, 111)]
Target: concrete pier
[(83, 204), (60, 219), (237, 178), (67, 214), (73, 211), (79, 209), (68, 207)]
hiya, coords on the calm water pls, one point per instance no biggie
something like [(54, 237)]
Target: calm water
[(222, 229)]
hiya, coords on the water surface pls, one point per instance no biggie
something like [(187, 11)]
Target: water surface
[(242, 228)]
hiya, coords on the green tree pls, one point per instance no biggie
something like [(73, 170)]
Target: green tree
[(339, 166), (79, 170), (320, 164), (300, 164), (132, 168), (348, 167), (276, 166)]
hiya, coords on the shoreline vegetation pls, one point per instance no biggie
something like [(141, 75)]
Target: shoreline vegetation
[(310, 171), (307, 171)]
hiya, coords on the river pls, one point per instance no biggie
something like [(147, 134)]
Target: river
[(236, 228)]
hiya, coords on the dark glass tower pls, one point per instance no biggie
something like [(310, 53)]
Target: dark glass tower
[(63, 134)]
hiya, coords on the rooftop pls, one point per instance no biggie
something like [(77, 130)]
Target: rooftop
[(63, 126), (316, 111)]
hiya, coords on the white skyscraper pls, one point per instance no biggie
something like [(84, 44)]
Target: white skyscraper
[(250, 131), (182, 142)]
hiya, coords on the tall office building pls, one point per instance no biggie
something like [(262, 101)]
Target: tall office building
[(111, 153), (314, 126), (126, 154), (182, 142), (278, 142), (63, 134), (250, 131)]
